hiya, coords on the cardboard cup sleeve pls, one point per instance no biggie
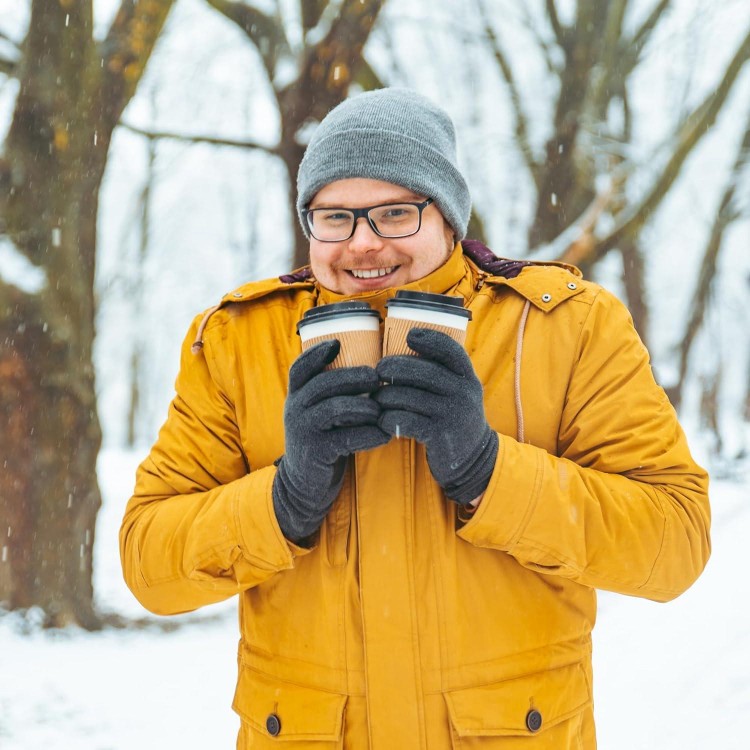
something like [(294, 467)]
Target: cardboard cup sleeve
[(357, 348), (355, 324), (394, 335)]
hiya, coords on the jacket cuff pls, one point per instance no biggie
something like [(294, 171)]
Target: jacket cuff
[(510, 497), (261, 540)]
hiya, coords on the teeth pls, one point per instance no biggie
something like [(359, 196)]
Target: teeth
[(371, 273)]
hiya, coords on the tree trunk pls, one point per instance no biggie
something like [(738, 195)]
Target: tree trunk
[(565, 181), (634, 278), (51, 498), (70, 98)]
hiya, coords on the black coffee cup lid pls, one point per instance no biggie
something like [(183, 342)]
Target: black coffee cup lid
[(445, 303), (336, 310)]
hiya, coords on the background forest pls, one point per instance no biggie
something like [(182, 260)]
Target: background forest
[(147, 155), (148, 159)]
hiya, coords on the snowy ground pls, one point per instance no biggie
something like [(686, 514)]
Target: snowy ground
[(668, 677)]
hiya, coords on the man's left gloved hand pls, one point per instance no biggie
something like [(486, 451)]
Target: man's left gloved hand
[(436, 398)]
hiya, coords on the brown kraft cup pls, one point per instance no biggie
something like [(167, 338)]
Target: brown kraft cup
[(439, 312), (355, 324)]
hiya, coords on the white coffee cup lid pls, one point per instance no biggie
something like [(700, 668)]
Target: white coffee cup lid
[(352, 316)]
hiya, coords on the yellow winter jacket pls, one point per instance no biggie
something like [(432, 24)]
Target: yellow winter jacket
[(406, 626)]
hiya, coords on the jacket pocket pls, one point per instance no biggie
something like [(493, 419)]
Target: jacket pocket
[(548, 706), (274, 711)]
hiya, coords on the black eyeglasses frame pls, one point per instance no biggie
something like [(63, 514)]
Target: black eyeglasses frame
[(364, 213)]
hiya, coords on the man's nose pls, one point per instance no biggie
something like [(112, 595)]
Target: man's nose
[(365, 239)]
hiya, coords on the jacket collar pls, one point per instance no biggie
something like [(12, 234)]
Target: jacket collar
[(463, 274), (528, 278)]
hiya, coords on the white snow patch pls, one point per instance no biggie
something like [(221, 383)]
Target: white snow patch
[(17, 270), (670, 676)]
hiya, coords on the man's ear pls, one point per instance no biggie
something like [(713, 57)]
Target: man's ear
[(450, 236)]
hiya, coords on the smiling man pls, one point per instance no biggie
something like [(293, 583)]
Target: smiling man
[(401, 239), (416, 547)]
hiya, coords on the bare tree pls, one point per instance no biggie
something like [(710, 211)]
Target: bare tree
[(584, 171), (72, 92)]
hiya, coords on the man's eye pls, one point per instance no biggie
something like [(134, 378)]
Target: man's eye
[(395, 214), (335, 217)]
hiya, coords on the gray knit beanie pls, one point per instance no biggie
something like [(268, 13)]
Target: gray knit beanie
[(395, 135)]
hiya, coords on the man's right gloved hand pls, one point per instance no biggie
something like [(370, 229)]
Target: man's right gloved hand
[(326, 419)]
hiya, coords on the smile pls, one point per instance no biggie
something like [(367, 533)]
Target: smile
[(371, 273)]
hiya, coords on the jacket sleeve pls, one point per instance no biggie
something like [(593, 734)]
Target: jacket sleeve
[(623, 506), (200, 526)]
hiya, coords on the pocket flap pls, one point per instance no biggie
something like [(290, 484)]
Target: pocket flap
[(520, 706), (288, 711)]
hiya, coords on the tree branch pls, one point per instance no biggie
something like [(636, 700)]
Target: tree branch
[(312, 11), (13, 43), (613, 27), (554, 21), (641, 37), (211, 140), (366, 77), (634, 280), (329, 65), (631, 50), (8, 67), (125, 52), (688, 136), (521, 124), (264, 31), (608, 80), (576, 242), (545, 45)]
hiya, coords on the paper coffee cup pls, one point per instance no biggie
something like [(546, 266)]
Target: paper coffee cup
[(407, 310), (355, 324)]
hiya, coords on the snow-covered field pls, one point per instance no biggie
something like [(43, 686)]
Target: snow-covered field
[(668, 677)]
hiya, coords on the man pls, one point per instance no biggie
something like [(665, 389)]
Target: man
[(416, 547)]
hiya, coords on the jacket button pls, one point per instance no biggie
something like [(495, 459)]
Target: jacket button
[(273, 725), (533, 720), (546, 298)]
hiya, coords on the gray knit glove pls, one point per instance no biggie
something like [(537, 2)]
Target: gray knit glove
[(325, 419), (436, 398)]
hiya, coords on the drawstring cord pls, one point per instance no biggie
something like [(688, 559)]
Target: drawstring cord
[(517, 379), (197, 345)]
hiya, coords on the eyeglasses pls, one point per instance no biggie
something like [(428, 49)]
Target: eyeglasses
[(390, 220)]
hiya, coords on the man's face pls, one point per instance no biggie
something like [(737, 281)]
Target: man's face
[(343, 266)]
